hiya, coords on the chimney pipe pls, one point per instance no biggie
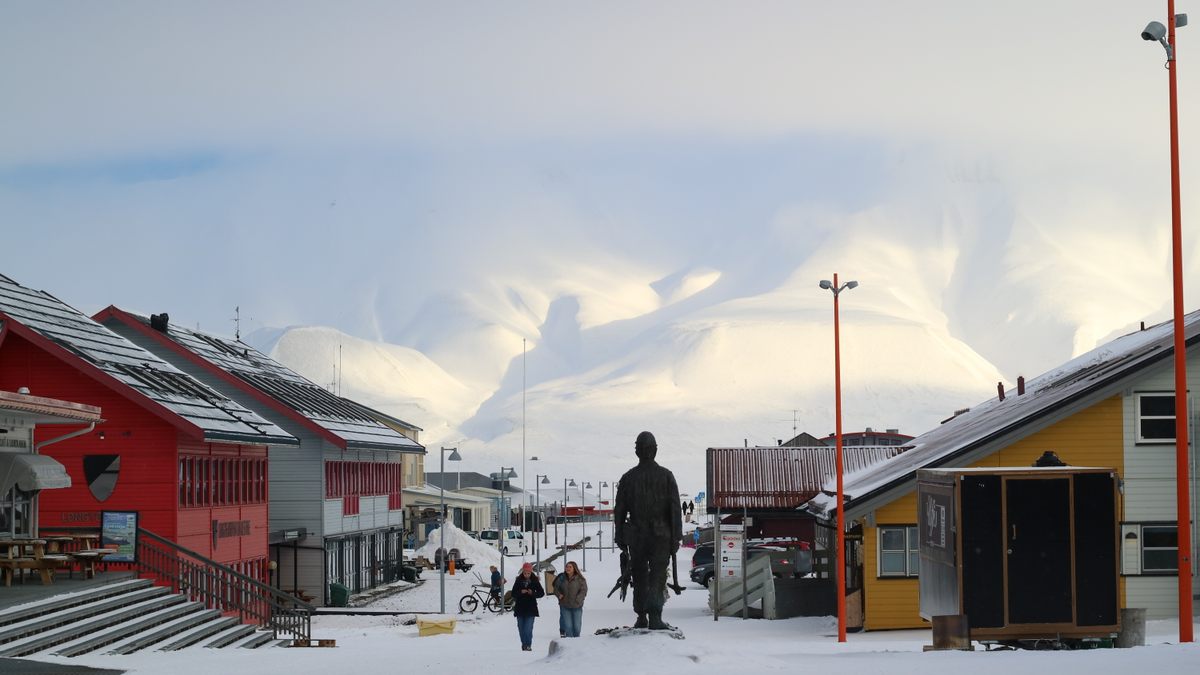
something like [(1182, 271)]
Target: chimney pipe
[(1020, 385), (1000, 390), (159, 322)]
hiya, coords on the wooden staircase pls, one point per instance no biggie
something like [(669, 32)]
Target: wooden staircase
[(121, 618)]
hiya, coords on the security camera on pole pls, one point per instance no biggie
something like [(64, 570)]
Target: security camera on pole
[(1165, 35)]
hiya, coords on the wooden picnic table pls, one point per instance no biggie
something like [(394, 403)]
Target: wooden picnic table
[(15, 558)]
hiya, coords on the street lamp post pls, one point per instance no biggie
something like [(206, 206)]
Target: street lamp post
[(583, 519), (454, 457), (506, 472), (837, 404), (1183, 526), (539, 516), (564, 518)]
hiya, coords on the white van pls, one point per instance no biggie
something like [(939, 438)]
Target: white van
[(513, 542)]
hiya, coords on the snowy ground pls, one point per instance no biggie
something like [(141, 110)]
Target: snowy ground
[(486, 642)]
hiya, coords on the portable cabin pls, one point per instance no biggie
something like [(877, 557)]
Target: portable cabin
[(1021, 552)]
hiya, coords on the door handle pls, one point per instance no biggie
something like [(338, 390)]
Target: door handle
[(1014, 532)]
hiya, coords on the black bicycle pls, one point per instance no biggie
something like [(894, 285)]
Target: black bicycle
[(482, 594)]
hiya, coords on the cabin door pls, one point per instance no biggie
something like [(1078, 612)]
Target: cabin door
[(1038, 546)]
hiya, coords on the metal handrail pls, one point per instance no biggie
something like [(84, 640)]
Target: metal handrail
[(220, 587)]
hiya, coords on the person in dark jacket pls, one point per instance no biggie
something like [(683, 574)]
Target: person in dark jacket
[(525, 592), (497, 583)]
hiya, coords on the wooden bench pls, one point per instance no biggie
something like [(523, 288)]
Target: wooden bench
[(44, 565)]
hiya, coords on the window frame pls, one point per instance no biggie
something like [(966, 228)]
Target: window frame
[(911, 551), (1158, 571), (1138, 417)]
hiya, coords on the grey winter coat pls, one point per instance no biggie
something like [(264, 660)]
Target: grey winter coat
[(571, 592)]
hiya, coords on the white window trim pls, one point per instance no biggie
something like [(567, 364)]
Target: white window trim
[(1138, 417), (911, 545), (1134, 561)]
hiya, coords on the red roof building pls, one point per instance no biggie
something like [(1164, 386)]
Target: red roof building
[(190, 461)]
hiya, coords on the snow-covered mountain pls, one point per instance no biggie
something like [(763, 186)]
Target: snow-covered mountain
[(696, 366), (966, 279)]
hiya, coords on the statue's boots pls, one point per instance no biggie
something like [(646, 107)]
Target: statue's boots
[(656, 622), (641, 621)]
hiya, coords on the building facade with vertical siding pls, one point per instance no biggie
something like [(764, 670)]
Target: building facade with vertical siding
[(337, 511)]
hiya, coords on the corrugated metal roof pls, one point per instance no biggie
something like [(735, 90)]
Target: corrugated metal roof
[(218, 417), (352, 422), (781, 477)]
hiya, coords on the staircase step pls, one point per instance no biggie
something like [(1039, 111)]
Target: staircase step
[(118, 632), (164, 631), (49, 620), (230, 636), (199, 633), (257, 639), (66, 633), (66, 600)]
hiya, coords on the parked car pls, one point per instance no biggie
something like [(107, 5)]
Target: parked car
[(513, 541), (703, 574)]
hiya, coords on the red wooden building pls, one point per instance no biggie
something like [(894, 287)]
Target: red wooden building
[(190, 461)]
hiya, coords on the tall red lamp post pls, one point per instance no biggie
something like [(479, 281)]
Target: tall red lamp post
[(1165, 35), (837, 404)]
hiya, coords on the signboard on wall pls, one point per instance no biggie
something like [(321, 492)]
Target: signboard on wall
[(118, 530)]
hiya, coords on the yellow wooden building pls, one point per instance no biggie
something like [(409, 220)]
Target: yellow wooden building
[(1112, 407)]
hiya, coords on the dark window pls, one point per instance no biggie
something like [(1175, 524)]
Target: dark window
[(1160, 548), (1156, 418)]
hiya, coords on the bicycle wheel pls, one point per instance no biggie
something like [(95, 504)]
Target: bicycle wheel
[(491, 604), (468, 604)]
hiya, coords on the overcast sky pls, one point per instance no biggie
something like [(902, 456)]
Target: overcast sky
[(341, 163)]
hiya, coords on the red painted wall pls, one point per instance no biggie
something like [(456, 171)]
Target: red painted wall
[(149, 449)]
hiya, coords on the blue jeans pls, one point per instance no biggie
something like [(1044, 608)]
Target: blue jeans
[(525, 630), (570, 620)]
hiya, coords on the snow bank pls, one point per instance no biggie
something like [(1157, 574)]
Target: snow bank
[(472, 550)]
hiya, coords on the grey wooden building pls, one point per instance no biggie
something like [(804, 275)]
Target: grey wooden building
[(336, 505)]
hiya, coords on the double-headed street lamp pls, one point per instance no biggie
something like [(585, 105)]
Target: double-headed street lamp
[(539, 517), (837, 405), (1165, 35), (454, 457)]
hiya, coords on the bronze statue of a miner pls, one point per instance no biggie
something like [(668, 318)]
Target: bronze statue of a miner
[(648, 529)]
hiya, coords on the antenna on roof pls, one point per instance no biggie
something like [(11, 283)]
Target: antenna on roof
[(237, 322), (339, 371)]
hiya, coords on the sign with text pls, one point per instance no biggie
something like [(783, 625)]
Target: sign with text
[(730, 551), (118, 531)]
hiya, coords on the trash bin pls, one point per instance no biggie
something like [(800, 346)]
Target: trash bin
[(339, 595), (1133, 627), (408, 573)]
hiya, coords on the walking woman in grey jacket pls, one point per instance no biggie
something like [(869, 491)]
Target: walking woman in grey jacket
[(571, 591)]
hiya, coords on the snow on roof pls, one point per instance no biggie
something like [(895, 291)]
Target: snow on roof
[(219, 418), (1092, 375), (354, 423), (434, 491)]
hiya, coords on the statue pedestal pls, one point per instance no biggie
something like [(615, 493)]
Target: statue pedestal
[(625, 631)]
